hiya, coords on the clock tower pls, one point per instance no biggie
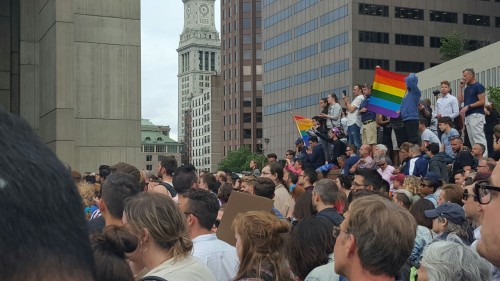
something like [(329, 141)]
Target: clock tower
[(199, 56)]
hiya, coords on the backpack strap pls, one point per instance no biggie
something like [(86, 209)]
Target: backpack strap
[(170, 188)]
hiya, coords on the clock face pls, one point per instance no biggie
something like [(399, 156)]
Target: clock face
[(204, 9)]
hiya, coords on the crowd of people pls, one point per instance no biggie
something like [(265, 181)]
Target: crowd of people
[(368, 198)]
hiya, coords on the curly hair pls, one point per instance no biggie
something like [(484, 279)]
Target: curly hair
[(412, 184)]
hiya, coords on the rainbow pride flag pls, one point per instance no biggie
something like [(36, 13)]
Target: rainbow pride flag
[(303, 125), (388, 91)]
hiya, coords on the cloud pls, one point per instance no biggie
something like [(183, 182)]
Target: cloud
[(161, 25)]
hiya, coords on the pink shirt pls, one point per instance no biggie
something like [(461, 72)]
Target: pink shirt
[(386, 174)]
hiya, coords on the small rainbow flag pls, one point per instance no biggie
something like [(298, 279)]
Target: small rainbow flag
[(303, 125), (388, 91)]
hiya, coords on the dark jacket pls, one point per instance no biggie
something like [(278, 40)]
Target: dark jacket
[(316, 159), (330, 215), (437, 164), (420, 168)]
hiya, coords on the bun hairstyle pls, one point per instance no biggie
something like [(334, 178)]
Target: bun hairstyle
[(109, 251), (262, 237)]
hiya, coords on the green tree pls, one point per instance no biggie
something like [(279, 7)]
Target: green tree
[(494, 96), (452, 46), (239, 160)]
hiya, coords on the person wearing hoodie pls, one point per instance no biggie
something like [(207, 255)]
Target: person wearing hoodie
[(437, 161), (409, 109)]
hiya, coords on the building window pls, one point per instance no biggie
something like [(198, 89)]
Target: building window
[(409, 13), (409, 66), (333, 16), (258, 101), (435, 42), (306, 27), (258, 117), (374, 37), (161, 148), (172, 149), (281, 15), (476, 20), (247, 117), (472, 45), (247, 23), (409, 40), (306, 77), (441, 16), (149, 167), (497, 19), (149, 148), (334, 68), (247, 7), (335, 41), (277, 40), (374, 10), (149, 158), (247, 102), (247, 133), (259, 134), (306, 52), (372, 63)]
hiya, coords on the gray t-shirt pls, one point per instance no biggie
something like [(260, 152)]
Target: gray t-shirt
[(428, 135)]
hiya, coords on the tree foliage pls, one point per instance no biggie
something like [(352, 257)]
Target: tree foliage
[(494, 96), (239, 160), (452, 46)]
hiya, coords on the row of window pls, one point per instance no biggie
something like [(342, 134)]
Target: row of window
[(311, 75), (247, 134), (159, 148), (306, 27), (414, 40), (286, 13), (300, 102), (149, 158), (308, 51), (277, 40), (401, 66), (418, 14)]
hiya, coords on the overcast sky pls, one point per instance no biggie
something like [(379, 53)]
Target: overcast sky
[(161, 24)]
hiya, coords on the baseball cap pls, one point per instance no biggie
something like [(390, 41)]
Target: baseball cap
[(298, 141), (451, 211), (405, 192), (431, 176), (398, 177)]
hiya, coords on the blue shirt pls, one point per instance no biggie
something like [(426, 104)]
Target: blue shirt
[(367, 115), (471, 94), (349, 162), (445, 140)]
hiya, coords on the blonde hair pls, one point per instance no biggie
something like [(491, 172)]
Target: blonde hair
[(163, 219), (262, 238), (412, 184), (87, 193)]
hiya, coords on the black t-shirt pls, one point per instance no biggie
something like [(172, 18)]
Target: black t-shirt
[(462, 159)]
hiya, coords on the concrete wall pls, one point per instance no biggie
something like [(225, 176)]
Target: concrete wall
[(80, 78)]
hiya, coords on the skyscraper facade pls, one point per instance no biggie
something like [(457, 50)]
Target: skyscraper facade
[(242, 74), (199, 56), (311, 48)]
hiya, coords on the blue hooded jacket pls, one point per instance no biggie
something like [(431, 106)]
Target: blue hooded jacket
[(409, 105)]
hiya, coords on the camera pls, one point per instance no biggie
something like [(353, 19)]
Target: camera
[(436, 92)]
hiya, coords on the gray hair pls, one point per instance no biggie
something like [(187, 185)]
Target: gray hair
[(452, 260), (382, 147), (458, 230), (327, 190)]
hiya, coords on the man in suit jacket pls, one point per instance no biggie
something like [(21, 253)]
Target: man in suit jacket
[(417, 165)]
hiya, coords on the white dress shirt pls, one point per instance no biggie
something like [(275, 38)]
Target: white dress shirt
[(220, 257), (354, 117), (447, 106)]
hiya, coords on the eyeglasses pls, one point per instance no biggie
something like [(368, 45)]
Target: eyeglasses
[(484, 192), (358, 184), (424, 185), (466, 195), (337, 230)]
